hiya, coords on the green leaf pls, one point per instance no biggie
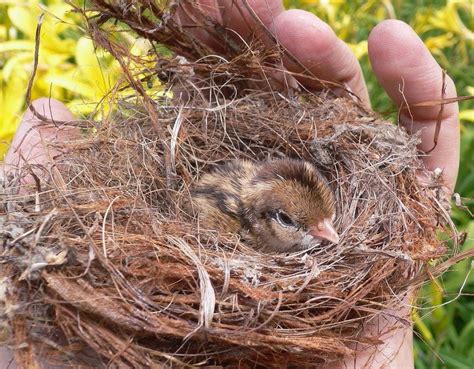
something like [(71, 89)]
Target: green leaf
[(455, 361), (466, 339)]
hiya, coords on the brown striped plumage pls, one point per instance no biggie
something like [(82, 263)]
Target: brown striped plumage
[(282, 205)]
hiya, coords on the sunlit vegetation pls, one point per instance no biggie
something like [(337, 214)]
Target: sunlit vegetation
[(72, 70)]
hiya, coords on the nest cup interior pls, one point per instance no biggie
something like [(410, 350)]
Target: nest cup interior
[(104, 261)]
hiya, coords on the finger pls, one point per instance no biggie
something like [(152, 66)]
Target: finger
[(240, 15), (315, 45), (233, 15), (186, 17), (399, 57), (6, 358), (30, 144), (395, 349)]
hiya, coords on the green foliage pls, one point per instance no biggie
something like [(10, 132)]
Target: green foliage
[(446, 332), (71, 70)]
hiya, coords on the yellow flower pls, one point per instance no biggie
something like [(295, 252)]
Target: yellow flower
[(17, 44), (359, 49), (70, 68)]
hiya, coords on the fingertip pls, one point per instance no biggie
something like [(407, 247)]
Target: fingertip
[(410, 74), (392, 43), (316, 47), (389, 28), (33, 135), (406, 69), (211, 8), (304, 33), (241, 17), (267, 10), (50, 108), (184, 15)]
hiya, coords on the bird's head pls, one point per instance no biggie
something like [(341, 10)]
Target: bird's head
[(290, 206)]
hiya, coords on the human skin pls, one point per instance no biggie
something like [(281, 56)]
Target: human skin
[(398, 58)]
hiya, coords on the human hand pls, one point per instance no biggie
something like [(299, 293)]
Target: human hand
[(401, 63), (398, 57), (34, 140), (31, 147)]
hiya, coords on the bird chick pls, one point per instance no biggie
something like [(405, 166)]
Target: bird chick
[(283, 205)]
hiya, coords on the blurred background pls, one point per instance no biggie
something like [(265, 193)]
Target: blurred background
[(71, 70)]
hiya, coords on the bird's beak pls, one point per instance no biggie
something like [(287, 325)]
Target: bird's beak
[(324, 230)]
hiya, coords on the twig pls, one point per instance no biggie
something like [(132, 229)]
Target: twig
[(440, 113), (33, 75)]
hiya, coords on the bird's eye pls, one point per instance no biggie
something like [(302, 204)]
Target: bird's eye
[(284, 219)]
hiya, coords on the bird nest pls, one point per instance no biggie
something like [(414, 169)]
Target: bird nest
[(103, 263)]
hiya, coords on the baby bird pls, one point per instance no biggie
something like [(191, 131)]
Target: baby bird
[(283, 205)]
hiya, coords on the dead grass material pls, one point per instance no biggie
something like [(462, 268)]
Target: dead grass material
[(104, 264)]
